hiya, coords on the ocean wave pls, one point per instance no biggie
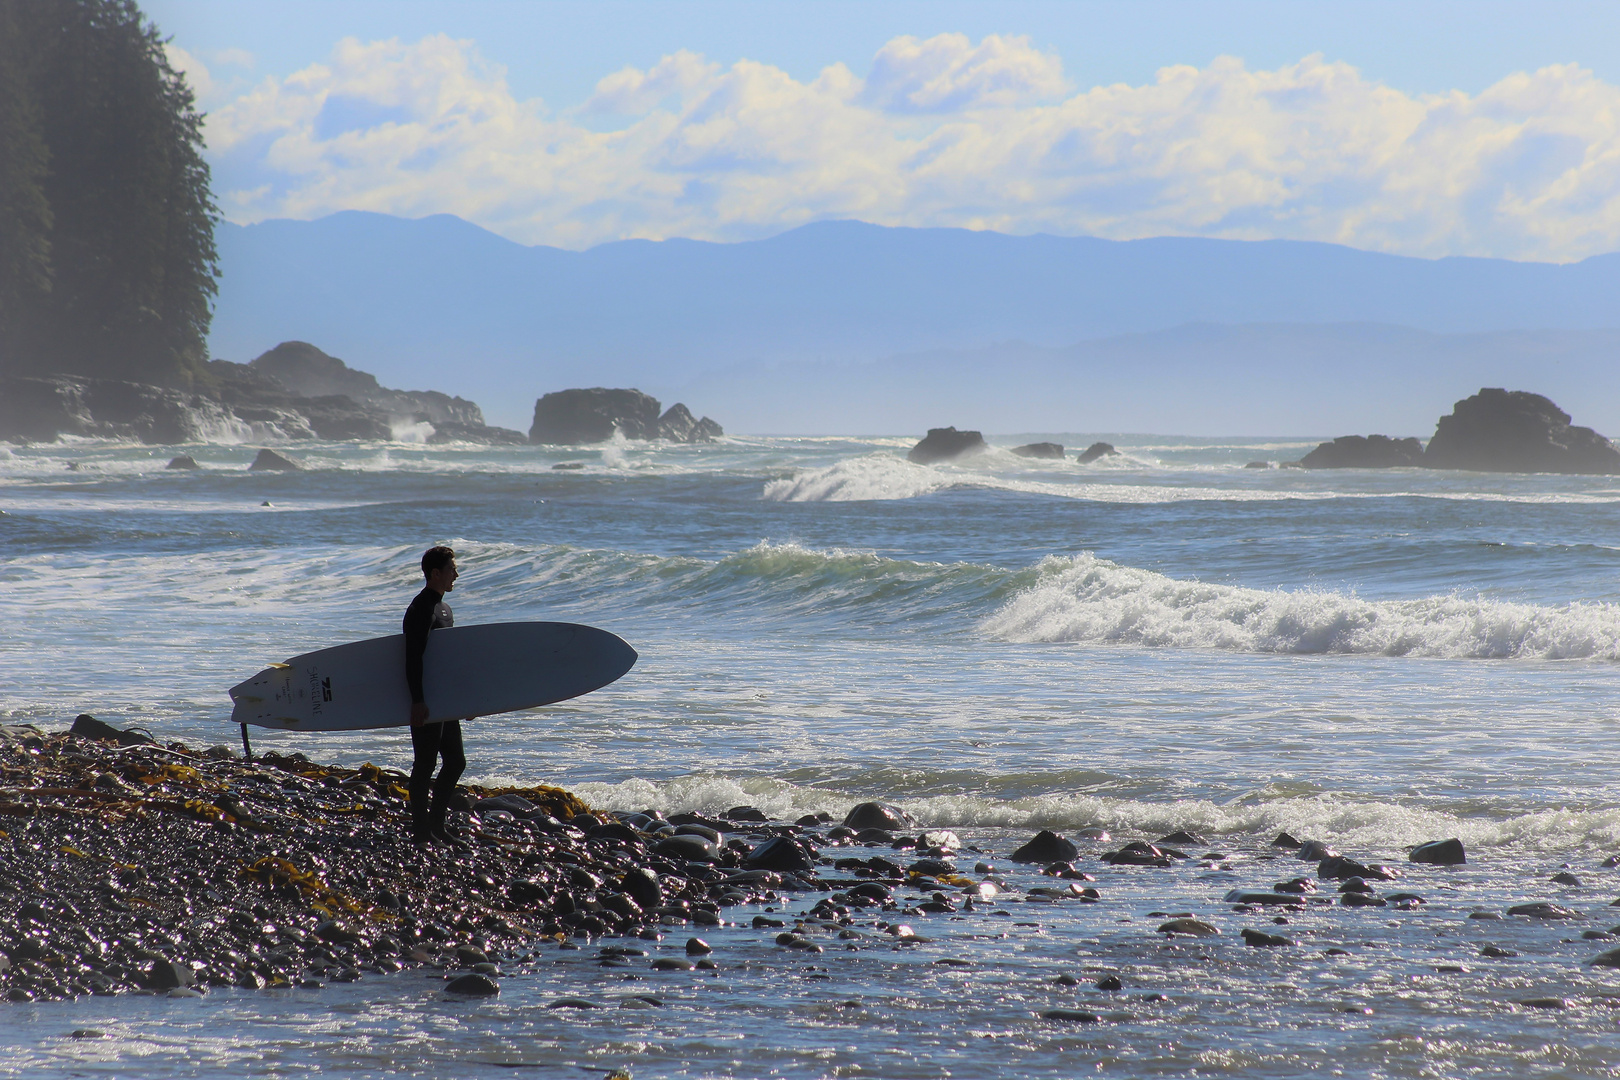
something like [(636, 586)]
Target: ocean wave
[(884, 476), (1086, 599), (1374, 826), (875, 477), (770, 578)]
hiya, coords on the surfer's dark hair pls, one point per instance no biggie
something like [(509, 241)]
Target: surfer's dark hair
[(436, 558)]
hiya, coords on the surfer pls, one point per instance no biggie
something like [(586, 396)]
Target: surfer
[(431, 742)]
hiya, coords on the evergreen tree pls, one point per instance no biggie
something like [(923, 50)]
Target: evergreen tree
[(130, 218), (25, 215)]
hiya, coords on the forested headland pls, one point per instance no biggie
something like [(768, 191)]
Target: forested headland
[(107, 259)]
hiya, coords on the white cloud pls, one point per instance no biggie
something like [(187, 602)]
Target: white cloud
[(948, 73), (940, 132), (634, 91)]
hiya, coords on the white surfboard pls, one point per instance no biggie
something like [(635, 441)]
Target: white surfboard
[(467, 671)]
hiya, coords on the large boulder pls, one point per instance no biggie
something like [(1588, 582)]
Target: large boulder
[(1369, 452), (1439, 853), (270, 461), (1039, 450), (1501, 431), (571, 417), (1094, 451), (944, 443)]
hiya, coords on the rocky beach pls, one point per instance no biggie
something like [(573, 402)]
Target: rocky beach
[(134, 867)]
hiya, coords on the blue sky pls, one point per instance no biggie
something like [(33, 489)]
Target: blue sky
[(1421, 128)]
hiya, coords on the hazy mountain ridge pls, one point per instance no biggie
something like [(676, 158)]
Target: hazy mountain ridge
[(843, 311)]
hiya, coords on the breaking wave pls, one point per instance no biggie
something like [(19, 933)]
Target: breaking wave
[(1369, 825), (1087, 599), (883, 475)]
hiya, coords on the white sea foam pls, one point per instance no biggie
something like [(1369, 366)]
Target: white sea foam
[(418, 432), (868, 478), (879, 476), (1087, 599), (1373, 826)]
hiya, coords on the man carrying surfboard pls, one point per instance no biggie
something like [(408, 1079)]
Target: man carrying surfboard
[(431, 742)]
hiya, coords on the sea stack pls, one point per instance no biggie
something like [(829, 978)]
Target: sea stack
[(1501, 431), (572, 417), (1369, 452)]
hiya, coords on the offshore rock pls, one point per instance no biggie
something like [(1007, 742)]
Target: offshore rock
[(1370, 452), (1094, 451), (1440, 853), (1501, 431), (679, 425), (269, 460), (1046, 847), (182, 461), (571, 417), (1040, 450), (942, 444)]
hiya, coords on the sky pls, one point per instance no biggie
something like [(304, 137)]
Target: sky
[(1419, 128)]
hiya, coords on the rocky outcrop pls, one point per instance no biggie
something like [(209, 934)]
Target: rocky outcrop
[(944, 443), (307, 372), (240, 402), (1501, 431), (679, 425), (38, 409), (572, 417), (1370, 452), (1039, 450), (1096, 450), (448, 431)]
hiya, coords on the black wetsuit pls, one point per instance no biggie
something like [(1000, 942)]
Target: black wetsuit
[(429, 612)]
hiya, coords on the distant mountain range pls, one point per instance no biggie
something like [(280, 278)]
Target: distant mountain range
[(847, 327)]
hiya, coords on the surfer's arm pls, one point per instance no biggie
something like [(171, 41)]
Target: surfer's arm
[(418, 623)]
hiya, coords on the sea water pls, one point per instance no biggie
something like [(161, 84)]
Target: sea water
[(1164, 639)]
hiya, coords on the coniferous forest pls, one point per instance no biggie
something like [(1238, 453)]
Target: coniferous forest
[(107, 260)]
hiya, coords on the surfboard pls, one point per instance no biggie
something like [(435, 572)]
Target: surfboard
[(467, 671)]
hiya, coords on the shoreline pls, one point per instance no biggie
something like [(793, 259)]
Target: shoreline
[(144, 867), (162, 869)]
